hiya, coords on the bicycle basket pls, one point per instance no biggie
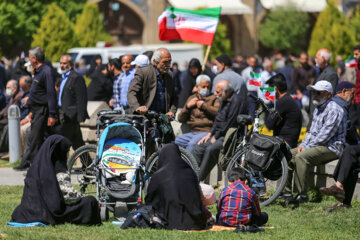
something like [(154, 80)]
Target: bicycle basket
[(264, 154)]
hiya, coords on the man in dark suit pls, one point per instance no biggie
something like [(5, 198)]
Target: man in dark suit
[(153, 86), (72, 102)]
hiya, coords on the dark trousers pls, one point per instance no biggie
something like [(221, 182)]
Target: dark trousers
[(355, 115), (71, 130), (347, 170), (39, 127), (252, 104), (207, 155), (259, 220)]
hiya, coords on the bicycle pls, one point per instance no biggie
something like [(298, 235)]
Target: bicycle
[(255, 178), (86, 154)]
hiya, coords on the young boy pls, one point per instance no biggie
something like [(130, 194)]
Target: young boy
[(238, 204)]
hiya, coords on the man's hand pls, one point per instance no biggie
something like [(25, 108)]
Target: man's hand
[(192, 103), (299, 94), (111, 102), (142, 110), (204, 139), (170, 114), (212, 140), (299, 149), (24, 121), (25, 100), (51, 121), (199, 103), (30, 116)]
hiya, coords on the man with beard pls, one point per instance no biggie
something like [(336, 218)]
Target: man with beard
[(124, 74), (72, 102), (323, 143), (207, 150), (302, 76)]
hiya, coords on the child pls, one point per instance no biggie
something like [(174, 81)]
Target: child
[(238, 204)]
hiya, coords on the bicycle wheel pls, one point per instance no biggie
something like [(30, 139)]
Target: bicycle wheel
[(80, 167), (272, 188), (152, 162)]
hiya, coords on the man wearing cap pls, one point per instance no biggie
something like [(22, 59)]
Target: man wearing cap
[(140, 61), (122, 83), (223, 65), (323, 143)]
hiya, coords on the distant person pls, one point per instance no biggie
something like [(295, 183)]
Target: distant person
[(95, 63), (140, 61), (286, 71), (355, 108), (176, 74), (101, 86), (20, 70), (81, 67), (265, 76)]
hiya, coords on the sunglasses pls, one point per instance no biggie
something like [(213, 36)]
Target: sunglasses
[(318, 92)]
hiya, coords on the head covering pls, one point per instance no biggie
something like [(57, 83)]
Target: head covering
[(344, 85), (174, 192), (42, 200), (321, 85), (225, 59), (278, 81), (141, 61), (208, 195)]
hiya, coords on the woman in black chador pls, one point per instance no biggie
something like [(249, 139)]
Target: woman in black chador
[(43, 200), (174, 192)]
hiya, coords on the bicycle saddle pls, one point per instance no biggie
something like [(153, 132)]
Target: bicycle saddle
[(244, 119)]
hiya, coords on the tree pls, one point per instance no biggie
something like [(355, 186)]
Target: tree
[(284, 28), (56, 33), (355, 23), (89, 26), (221, 43), (334, 32)]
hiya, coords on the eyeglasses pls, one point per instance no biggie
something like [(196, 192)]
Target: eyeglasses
[(318, 92)]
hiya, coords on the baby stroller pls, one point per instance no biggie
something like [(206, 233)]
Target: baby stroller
[(119, 164)]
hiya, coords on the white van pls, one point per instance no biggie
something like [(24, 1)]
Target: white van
[(180, 52)]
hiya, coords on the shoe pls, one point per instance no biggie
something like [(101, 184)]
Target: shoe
[(336, 206), (6, 157), (333, 191), (22, 167), (301, 198), (286, 196)]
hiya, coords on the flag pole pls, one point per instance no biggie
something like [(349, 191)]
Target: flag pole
[(206, 57)]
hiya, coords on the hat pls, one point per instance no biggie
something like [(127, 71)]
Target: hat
[(344, 85), (141, 61), (321, 85), (225, 59), (208, 195)]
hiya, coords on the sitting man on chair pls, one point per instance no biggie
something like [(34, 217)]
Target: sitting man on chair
[(199, 113), (206, 152), (153, 87), (323, 143)]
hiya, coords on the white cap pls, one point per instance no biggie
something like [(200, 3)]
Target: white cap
[(321, 85), (141, 61), (208, 195)]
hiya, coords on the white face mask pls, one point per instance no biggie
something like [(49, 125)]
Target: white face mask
[(214, 69), (204, 92), (8, 92)]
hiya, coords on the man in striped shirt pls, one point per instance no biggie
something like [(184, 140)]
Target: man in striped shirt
[(238, 204)]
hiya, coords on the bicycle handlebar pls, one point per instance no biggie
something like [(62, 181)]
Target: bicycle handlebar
[(259, 100)]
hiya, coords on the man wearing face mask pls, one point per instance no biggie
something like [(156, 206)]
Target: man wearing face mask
[(323, 143), (153, 87), (13, 92), (72, 102), (199, 113), (207, 150)]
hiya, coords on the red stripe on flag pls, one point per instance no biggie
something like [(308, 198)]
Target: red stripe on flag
[(192, 35), (269, 97), (255, 83)]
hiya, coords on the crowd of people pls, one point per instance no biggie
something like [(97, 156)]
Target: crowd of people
[(208, 99)]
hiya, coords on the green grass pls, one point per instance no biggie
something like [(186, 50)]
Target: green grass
[(308, 221), (7, 164)]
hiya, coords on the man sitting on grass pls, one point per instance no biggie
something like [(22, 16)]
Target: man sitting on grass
[(238, 204)]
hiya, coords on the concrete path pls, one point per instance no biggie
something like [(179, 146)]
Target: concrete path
[(10, 177)]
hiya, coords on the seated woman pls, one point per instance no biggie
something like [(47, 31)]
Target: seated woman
[(174, 192), (43, 198)]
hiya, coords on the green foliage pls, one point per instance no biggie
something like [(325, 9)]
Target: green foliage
[(332, 31), (89, 26), (221, 43), (55, 34), (284, 29), (355, 23)]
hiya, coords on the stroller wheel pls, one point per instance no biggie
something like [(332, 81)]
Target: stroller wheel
[(104, 213)]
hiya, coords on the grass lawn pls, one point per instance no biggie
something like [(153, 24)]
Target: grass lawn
[(308, 221)]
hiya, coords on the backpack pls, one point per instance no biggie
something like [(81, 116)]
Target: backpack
[(143, 217), (265, 154)]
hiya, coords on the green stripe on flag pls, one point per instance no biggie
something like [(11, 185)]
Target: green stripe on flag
[(255, 75), (207, 12), (269, 89)]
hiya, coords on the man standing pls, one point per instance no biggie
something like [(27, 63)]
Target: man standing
[(122, 82), (153, 86), (72, 103), (302, 76), (206, 152), (42, 103), (223, 64), (355, 108), (323, 143)]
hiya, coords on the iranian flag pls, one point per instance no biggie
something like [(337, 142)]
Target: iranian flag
[(350, 62), (269, 93), (195, 26), (255, 79)]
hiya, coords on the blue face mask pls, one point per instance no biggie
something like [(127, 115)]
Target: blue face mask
[(204, 93)]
